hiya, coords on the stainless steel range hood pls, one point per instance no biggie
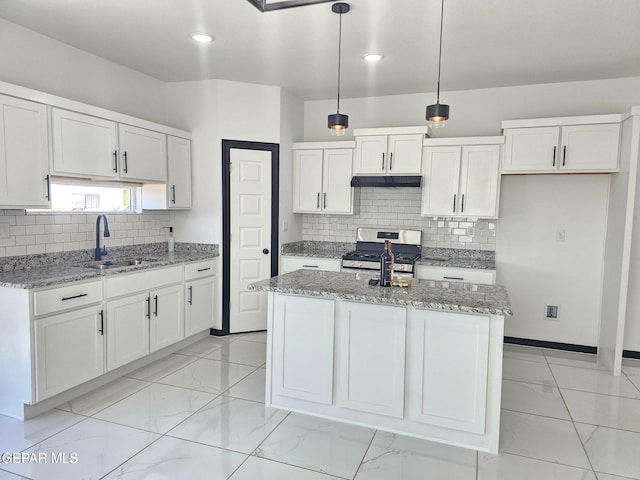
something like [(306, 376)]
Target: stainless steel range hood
[(386, 181)]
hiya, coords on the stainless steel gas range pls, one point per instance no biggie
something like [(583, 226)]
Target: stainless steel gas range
[(406, 247)]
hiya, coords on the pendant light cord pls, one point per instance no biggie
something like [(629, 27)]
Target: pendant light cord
[(440, 52), (339, 61)]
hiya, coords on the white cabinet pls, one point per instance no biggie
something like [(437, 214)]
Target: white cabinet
[(449, 358), (127, 329), (83, 145), (448, 274), (322, 180), (398, 154), (461, 181), (69, 350), (176, 193), (200, 291), (143, 154), (302, 361), (24, 154), (166, 322), (591, 147), (289, 264), (371, 358)]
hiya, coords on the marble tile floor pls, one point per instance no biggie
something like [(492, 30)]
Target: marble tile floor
[(200, 414)]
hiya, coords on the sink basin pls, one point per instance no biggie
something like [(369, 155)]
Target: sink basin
[(121, 263)]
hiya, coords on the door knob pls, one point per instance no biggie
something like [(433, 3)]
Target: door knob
[(265, 251)]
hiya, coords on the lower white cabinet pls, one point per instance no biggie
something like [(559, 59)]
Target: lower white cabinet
[(449, 355), (371, 358), (127, 329), (290, 264), (200, 301), (69, 350), (166, 319), (302, 331)]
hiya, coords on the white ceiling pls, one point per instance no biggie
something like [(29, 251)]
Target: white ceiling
[(490, 43)]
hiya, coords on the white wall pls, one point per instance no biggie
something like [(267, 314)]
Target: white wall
[(32, 60)]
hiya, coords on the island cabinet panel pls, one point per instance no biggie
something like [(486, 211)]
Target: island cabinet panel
[(371, 358), (303, 331), (450, 355)]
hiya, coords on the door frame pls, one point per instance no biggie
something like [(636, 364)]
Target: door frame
[(227, 145)]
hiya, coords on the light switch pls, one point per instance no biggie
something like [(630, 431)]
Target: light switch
[(560, 235), (285, 225)]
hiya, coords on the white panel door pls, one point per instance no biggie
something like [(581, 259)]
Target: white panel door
[(166, 325), (24, 153), (199, 305), (479, 181), (450, 352), (405, 154), (127, 327), (250, 199), (69, 350), (371, 352), (303, 330), (531, 149), (590, 147), (143, 154), (337, 195), (441, 176), (307, 181), (371, 155), (83, 145), (179, 172)]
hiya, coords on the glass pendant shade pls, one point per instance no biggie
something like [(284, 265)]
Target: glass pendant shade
[(338, 124), (437, 115)]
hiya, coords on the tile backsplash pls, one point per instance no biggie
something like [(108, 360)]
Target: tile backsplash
[(58, 232), (400, 208)]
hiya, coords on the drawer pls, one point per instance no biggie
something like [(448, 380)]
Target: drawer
[(289, 264), (457, 274), (193, 271), (118, 285), (67, 297)]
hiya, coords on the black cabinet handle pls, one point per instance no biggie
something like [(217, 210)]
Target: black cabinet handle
[(156, 302), (554, 156), (325, 201), (115, 161), (454, 202), (204, 269), (462, 204), (564, 155), (75, 296), (310, 266), (391, 161), (453, 278), (48, 180), (191, 295), (318, 201), (101, 322), (173, 194), (148, 300), (126, 165), (382, 160)]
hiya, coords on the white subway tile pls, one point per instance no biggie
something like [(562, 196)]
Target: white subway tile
[(35, 249), (25, 220), (14, 251), (34, 229)]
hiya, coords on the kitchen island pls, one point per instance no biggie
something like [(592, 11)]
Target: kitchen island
[(424, 361)]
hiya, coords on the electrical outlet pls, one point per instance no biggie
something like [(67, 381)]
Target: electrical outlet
[(4, 230), (552, 312), (560, 235)]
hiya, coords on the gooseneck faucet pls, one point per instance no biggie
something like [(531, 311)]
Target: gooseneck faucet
[(99, 254)]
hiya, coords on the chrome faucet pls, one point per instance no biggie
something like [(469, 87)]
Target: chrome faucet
[(99, 253)]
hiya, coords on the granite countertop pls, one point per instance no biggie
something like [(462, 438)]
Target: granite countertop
[(69, 271), (429, 294)]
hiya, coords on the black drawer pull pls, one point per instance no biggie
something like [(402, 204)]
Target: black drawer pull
[(310, 266), (75, 296), (204, 269), (453, 278)]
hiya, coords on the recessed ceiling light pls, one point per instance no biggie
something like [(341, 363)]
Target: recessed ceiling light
[(372, 57), (202, 37)]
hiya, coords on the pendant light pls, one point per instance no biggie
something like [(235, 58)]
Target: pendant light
[(438, 114), (339, 122)]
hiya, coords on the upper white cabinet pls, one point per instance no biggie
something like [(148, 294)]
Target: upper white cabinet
[(176, 193), (388, 151), (572, 145), (322, 178), (143, 154), (24, 161), (83, 145), (461, 180)]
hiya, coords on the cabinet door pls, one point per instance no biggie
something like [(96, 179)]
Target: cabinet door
[(127, 328), (143, 154), (371, 155), (179, 172), (337, 195), (166, 325), (441, 176), (69, 350), (83, 145), (405, 154), (307, 181), (590, 148), (24, 153), (479, 181), (371, 356), (302, 354), (450, 353), (200, 305), (289, 264), (531, 149)]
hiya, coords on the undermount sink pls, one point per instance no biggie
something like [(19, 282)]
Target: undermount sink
[(122, 263)]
